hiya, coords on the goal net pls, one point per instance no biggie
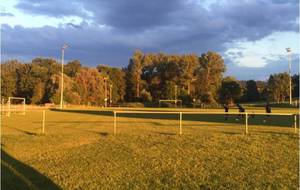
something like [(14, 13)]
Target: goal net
[(15, 105), (169, 103)]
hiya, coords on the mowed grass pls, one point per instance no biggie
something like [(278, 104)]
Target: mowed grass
[(79, 151)]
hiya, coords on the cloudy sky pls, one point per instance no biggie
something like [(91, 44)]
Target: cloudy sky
[(251, 35)]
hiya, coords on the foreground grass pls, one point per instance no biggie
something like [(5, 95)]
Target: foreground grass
[(79, 151)]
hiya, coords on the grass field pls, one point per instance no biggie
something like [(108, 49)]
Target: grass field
[(79, 151)]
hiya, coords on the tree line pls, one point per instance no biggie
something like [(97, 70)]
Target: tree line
[(148, 78)]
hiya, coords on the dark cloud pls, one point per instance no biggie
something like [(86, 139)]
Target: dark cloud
[(133, 14), (115, 28)]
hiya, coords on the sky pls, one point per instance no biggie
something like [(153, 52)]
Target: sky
[(251, 35)]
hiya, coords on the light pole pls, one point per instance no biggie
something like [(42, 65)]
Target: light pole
[(110, 94), (62, 75), (105, 92), (175, 94), (289, 51)]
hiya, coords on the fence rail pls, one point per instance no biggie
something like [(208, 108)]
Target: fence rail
[(180, 114)]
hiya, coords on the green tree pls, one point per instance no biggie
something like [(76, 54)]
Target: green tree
[(230, 90), (72, 68), (8, 78), (295, 82), (251, 93), (278, 86), (116, 79), (90, 86), (209, 76), (29, 81), (51, 87), (133, 76)]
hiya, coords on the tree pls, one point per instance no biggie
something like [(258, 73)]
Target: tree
[(8, 78), (116, 79), (29, 82), (90, 86), (209, 76), (133, 76), (295, 82), (51, 87), (278, 86), (230, 90), (72, 68), (70, 94), (251, 93)]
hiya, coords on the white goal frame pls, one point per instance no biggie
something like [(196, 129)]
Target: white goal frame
[(9, 110), (175, 101)]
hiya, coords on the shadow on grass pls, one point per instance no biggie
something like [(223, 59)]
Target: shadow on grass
[(103, 134), (25, 132), (282, 121), (289, 134), (17, 175), (165, 133)]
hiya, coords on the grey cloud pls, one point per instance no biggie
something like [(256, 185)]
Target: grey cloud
[(6, 14), (255, 19), (74, 25), (133, 14), (172, 26), (91, 45)]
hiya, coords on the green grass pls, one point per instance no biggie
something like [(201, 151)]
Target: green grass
[(79, 151)]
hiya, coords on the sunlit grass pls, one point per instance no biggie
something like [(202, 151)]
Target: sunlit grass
[(79, 151)]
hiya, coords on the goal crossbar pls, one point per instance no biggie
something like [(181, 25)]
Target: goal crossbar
[(175, 101)]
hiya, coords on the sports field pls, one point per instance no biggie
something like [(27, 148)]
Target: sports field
[(80, 151)]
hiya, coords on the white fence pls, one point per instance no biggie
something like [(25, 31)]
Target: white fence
[(180, 114), (203, 113)]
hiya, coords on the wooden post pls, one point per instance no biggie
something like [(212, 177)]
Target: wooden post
[(180, 123), (44, 115), (246, 124), (115, 122), (295, 123)]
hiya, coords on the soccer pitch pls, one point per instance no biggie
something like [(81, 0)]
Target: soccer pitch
[(80, 151)]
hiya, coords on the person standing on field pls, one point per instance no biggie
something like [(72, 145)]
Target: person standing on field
[(226, 109), (268, 110), (241, 110)]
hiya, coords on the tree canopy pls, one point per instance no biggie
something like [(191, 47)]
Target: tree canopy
[(148, 77)]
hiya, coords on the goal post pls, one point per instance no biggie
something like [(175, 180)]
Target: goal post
[(170, 101), (16, 105)]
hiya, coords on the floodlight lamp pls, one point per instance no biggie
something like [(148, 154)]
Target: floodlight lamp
[(65, 46)]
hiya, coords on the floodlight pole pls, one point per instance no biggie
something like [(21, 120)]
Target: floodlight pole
[(175, 92), (289, 51), (62, 75), (105, 92), (110, 94)]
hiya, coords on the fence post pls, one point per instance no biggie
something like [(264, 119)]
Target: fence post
[(24, 107), (295, 123), (180, 123), (246, 120), (8, 107), (115, 122), (44, 115)]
